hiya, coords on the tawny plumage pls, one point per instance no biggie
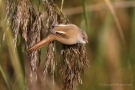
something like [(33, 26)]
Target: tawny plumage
[(66, 34)]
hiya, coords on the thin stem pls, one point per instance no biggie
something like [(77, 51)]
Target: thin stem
[(85, 14), (62, 2), (110, 6)]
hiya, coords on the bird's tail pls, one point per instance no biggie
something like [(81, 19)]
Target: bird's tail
[(40, 44)]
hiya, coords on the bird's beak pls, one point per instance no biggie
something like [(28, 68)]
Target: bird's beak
[(87, 41)]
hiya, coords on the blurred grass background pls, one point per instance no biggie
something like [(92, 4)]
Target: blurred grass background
[(112, 63)]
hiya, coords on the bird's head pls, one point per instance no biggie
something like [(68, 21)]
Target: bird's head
[(84, 37)]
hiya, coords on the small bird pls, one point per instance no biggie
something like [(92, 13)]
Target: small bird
[(68, 34)]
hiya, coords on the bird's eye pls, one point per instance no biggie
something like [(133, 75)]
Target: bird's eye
[(83, 38)]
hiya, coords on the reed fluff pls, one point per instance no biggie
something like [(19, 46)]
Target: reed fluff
[(26, 22)]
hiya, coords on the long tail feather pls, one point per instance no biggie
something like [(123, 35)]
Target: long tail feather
[(40, 44)]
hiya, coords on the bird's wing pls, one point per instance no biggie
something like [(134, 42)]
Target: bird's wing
[(59, 34), (60, 30)]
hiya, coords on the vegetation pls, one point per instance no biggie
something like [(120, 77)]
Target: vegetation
[(110, 51)]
